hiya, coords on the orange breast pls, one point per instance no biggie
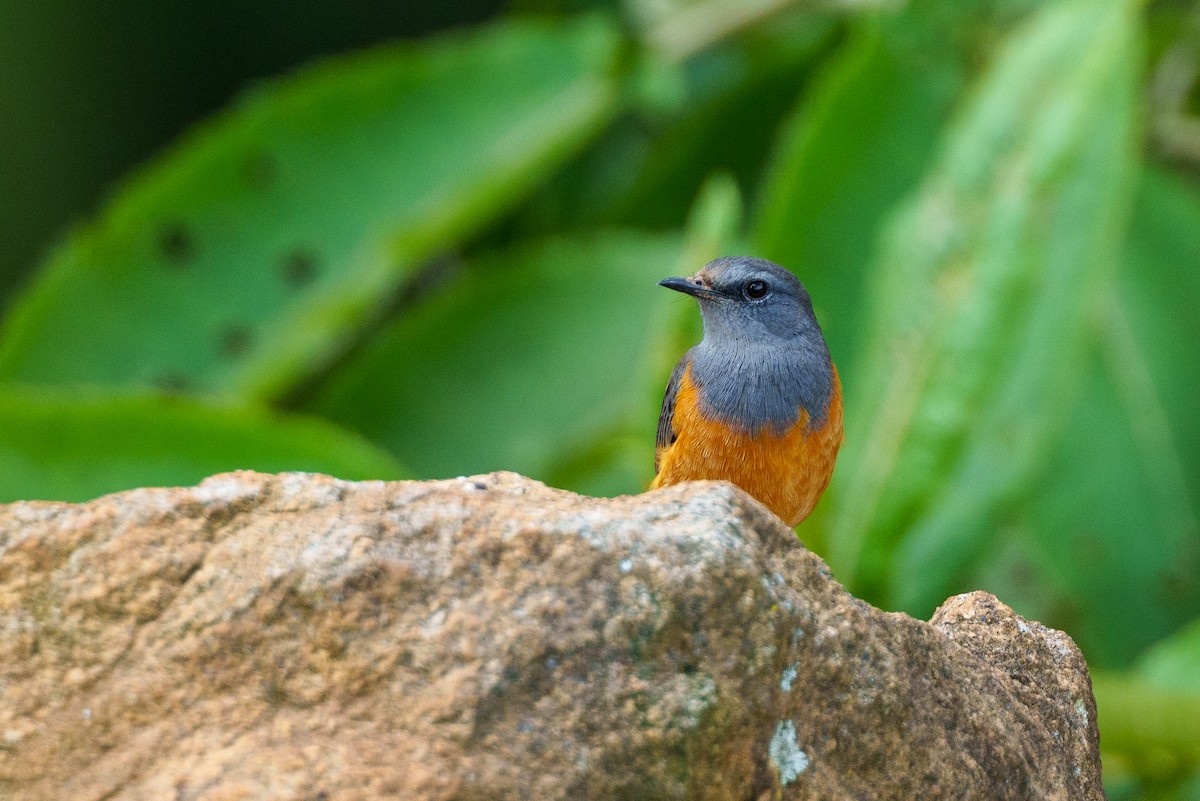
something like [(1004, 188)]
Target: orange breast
[(786, 473)]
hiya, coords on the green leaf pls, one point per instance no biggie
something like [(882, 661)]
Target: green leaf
[(714, 222), (533, 363), (250, 252), (858, 142), (980, 306), (73, 447), (1113, 523), (1150, 716), (1157, 728), (716, 112), (737, 95), (1175, 663), (1158, 292)]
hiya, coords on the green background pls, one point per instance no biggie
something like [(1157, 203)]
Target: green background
[(422, 240)]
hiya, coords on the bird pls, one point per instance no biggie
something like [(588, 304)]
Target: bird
[(758, 401)]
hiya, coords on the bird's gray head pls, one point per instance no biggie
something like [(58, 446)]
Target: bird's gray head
[(763, 357), (746, 301)]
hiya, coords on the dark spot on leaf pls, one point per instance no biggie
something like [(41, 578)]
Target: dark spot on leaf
[(299, 268), (177, 244), (1090, 549), (1065, 613), (258, 170), (1021, 573), (1176, 587), (173, 383), (428, 279), (236, 341)]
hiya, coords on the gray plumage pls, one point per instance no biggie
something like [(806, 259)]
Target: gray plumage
[(762, 359)]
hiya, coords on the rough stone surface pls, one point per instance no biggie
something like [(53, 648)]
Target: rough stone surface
[(299, 637)]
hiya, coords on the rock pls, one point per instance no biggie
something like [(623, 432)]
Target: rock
[(300, 637)]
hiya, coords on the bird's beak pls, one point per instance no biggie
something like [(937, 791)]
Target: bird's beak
[(689, 286)]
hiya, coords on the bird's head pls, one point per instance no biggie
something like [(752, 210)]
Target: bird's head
[(746, 301)]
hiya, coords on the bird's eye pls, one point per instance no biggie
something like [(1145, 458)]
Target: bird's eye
[(755, 290)]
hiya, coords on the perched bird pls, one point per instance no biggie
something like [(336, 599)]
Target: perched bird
[(758, 402)]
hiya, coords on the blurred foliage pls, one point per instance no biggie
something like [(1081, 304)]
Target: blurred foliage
[(79, 446), (449, 386), (979, 305), (437, 257), (1150, 718), (313, 198)]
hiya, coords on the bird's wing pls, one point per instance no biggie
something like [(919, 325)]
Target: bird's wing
[(666, 434)]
